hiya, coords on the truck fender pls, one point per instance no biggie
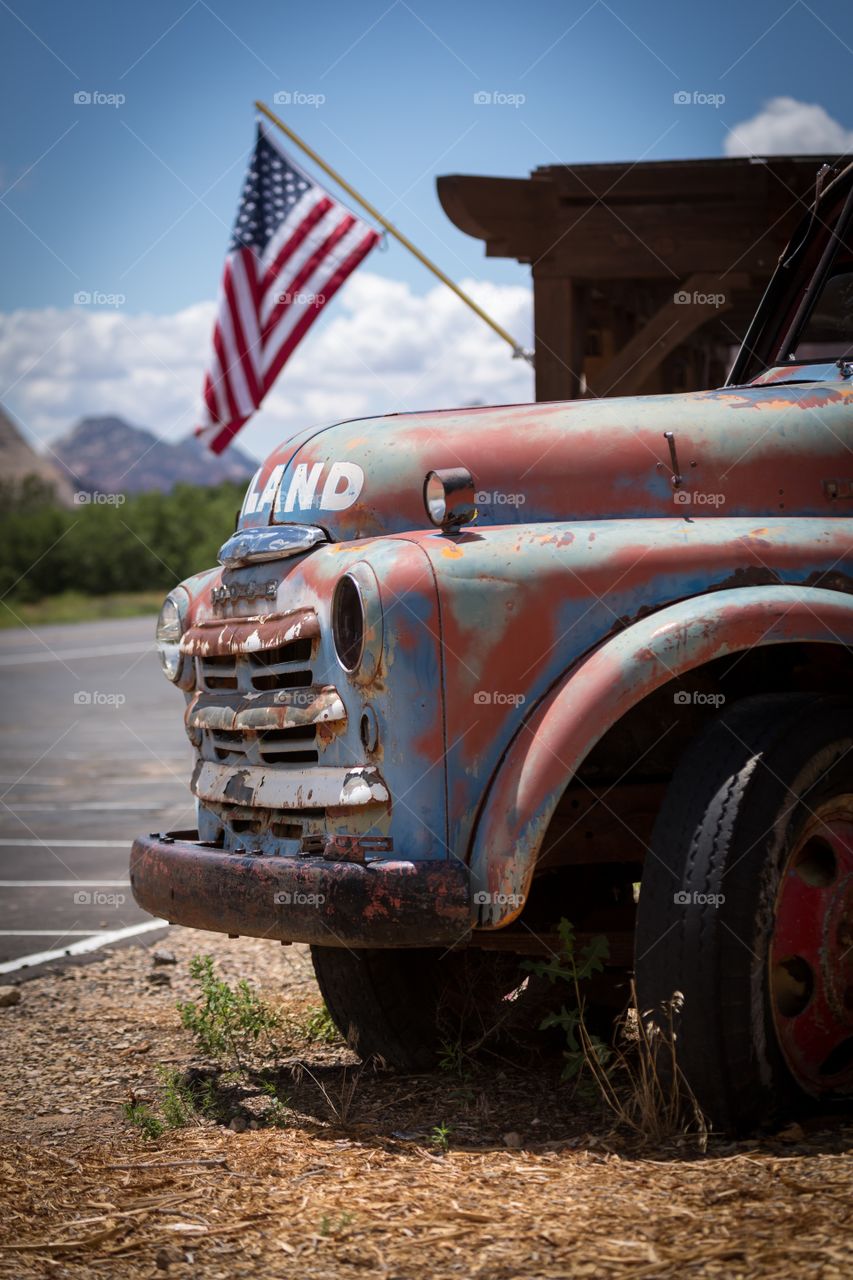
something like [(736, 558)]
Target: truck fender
[(574, 715)]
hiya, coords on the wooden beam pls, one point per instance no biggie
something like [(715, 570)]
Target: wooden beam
[(559, 325), (603, 242), (658, 220), (692, 305), (501, 211), (772, 179)]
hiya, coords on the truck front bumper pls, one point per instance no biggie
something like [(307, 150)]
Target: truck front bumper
[(380, 903)]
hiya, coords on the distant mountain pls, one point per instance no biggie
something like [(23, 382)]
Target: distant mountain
[(18, 461), (108, 455)]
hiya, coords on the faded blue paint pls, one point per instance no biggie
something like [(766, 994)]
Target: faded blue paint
[(552, 588), (580, 709)]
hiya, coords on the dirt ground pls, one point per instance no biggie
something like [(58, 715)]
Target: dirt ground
[(352, 1178)]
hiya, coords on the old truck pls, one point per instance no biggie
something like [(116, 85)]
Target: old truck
[(462, 674)]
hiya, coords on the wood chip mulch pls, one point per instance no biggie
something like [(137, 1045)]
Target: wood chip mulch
[(532, 1185)]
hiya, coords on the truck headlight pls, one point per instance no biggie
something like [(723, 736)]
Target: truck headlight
[(170, 628), (357, 623), (449, 498), (348, 622)]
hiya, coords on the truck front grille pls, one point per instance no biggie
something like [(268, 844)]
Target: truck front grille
[(285, 667), (282, 825), (268, 764), (274, 746)]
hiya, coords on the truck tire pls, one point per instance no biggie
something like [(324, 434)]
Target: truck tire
[(405, 1006), (746, 908)]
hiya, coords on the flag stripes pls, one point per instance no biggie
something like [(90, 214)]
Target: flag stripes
[(292, 248)]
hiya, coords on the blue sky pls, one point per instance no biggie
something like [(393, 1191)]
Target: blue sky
[(137, 199), (132, 198)]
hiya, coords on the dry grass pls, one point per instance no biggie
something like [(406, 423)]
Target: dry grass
[(642, 1083), (352, 1185)]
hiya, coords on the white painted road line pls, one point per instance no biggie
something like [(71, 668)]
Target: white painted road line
[(92, 943), (65, 844), (153, 780), (53, 933), (121, 805), (162, 778), (105, 651), (64, 884)]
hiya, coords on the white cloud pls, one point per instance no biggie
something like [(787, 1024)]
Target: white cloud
[(785, 126), (382, 349)]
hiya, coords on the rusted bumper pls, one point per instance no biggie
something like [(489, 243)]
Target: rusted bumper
[(381, 903)]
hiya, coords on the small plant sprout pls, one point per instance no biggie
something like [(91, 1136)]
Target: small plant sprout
[(440, 1137), (574, 967), (319, 1026), (228, 1022), (140, 1115), (277, 1114), (334, 1226), (453, 1059), (178, 1102)]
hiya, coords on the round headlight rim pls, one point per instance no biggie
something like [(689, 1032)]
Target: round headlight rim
[(170, 652), (433, 478), (348, 580), (366, 582), (168, 645), (458, 504), (160, 632)]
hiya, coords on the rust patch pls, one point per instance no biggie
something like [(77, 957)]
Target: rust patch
[(249, 635)]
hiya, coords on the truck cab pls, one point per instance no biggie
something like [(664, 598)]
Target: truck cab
[(460, 675)]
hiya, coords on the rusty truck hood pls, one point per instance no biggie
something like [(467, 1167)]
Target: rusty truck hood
[(739, 451)]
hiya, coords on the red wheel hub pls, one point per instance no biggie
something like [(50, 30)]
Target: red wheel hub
[(811, 957)]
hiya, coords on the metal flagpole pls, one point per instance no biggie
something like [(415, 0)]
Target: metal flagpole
[(517, 350)]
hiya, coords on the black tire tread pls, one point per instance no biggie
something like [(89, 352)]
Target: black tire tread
[(378, 1003), (707, 839)]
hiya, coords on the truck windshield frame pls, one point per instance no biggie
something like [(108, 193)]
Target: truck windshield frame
[(797, 286), (837, 243)]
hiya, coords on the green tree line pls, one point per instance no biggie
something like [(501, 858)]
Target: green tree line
[(146, 542)]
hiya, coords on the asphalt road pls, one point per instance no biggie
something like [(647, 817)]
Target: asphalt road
[(92, 752)]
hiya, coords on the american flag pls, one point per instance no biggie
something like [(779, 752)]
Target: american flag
[(292, 248)]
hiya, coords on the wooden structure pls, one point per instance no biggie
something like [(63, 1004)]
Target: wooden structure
[(645, 275)]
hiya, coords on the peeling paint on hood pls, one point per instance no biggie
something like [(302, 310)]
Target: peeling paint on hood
[(582, 459)]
